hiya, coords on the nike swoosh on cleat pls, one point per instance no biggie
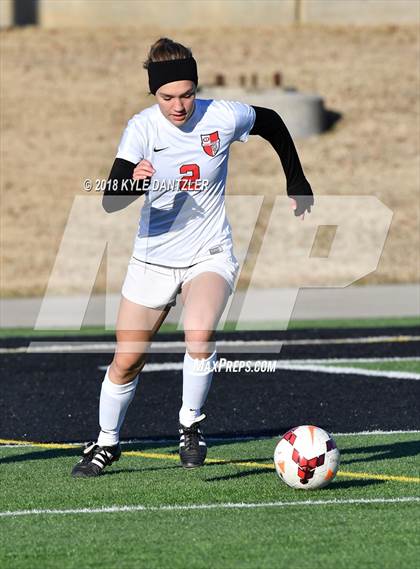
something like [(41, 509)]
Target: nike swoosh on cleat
[(160, 149)]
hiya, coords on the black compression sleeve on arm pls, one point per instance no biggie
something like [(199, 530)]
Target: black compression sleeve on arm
[(121, 184), (271, 127)]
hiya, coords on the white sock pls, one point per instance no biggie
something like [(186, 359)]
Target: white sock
[(197, 377), (113, 405)]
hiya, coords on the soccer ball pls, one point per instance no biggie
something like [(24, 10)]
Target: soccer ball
[(307, 458)]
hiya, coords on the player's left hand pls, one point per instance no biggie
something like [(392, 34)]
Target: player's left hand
[(301, 205)]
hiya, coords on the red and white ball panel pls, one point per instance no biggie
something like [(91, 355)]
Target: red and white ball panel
[(307, 458)]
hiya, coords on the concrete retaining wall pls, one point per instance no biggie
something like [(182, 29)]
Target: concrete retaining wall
[(365, 12), (204, 13)]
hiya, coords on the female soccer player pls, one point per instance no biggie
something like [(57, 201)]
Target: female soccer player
[(177, 152)]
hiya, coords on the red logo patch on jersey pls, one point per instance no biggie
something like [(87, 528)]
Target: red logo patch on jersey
[(210, 143)]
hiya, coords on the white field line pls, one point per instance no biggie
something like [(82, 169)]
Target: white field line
[(38, 347), (222, 506), (351, 371), (378, 432), (152, 367), (239, 438), (355, 360)]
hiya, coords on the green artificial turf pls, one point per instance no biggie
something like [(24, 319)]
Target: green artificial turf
[(229, 326), (412, 366), (305, 536)]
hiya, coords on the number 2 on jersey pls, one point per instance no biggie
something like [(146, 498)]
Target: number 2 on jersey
[(192, 172)]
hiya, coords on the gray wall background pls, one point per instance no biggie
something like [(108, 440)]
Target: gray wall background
[(206, 13)]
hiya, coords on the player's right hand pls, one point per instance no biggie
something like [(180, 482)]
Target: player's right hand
[(143, 170), (301, 205)]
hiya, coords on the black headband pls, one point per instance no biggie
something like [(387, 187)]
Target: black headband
[(162, 72)]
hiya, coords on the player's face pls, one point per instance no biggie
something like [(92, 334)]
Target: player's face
[(176, 101)]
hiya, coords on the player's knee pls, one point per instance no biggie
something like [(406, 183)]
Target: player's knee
[(199, 343), (125, 369)]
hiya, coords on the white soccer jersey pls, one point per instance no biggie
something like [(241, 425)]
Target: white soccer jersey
[(183, 219)]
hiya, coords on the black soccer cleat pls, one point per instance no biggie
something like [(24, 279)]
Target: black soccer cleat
[(192, 446), (95, 459)]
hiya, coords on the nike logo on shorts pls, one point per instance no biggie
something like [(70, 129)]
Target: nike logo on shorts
[(160, 149), (214, 250)]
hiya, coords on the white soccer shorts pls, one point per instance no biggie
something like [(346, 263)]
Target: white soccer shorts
[(157, 286)]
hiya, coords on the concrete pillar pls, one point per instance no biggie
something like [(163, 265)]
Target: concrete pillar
[(6, 13)]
